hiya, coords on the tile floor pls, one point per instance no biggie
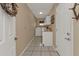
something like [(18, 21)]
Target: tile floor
[(36, 50)]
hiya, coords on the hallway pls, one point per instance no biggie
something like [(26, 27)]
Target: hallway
[(39, 29), (36, 50)]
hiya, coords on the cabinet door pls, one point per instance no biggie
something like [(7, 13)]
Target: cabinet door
[(47, 38)]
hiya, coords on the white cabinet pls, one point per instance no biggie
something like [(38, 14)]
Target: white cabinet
[(47, 38)]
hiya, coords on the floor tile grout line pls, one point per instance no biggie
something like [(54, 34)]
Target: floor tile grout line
[(41, 49)]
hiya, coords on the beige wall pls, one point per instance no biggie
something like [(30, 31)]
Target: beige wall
[(76, 38), (24, 27)]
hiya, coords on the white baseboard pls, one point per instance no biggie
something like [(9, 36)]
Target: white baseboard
[(26, 47), (57, 51)]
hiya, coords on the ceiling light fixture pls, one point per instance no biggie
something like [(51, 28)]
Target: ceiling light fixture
[(41, 24), (41, 12)]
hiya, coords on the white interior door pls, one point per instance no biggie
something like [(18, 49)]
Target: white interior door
[(64, 27), (7, 34), (38, 31)]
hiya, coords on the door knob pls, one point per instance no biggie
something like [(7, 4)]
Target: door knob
[(16, 38)]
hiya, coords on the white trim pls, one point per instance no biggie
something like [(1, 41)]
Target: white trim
[(56, 50), (26, 47)]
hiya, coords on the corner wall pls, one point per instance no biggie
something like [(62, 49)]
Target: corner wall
[(25, 24), (76, 38)]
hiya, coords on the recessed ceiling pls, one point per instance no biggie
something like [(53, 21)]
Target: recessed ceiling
[(40, 10)]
